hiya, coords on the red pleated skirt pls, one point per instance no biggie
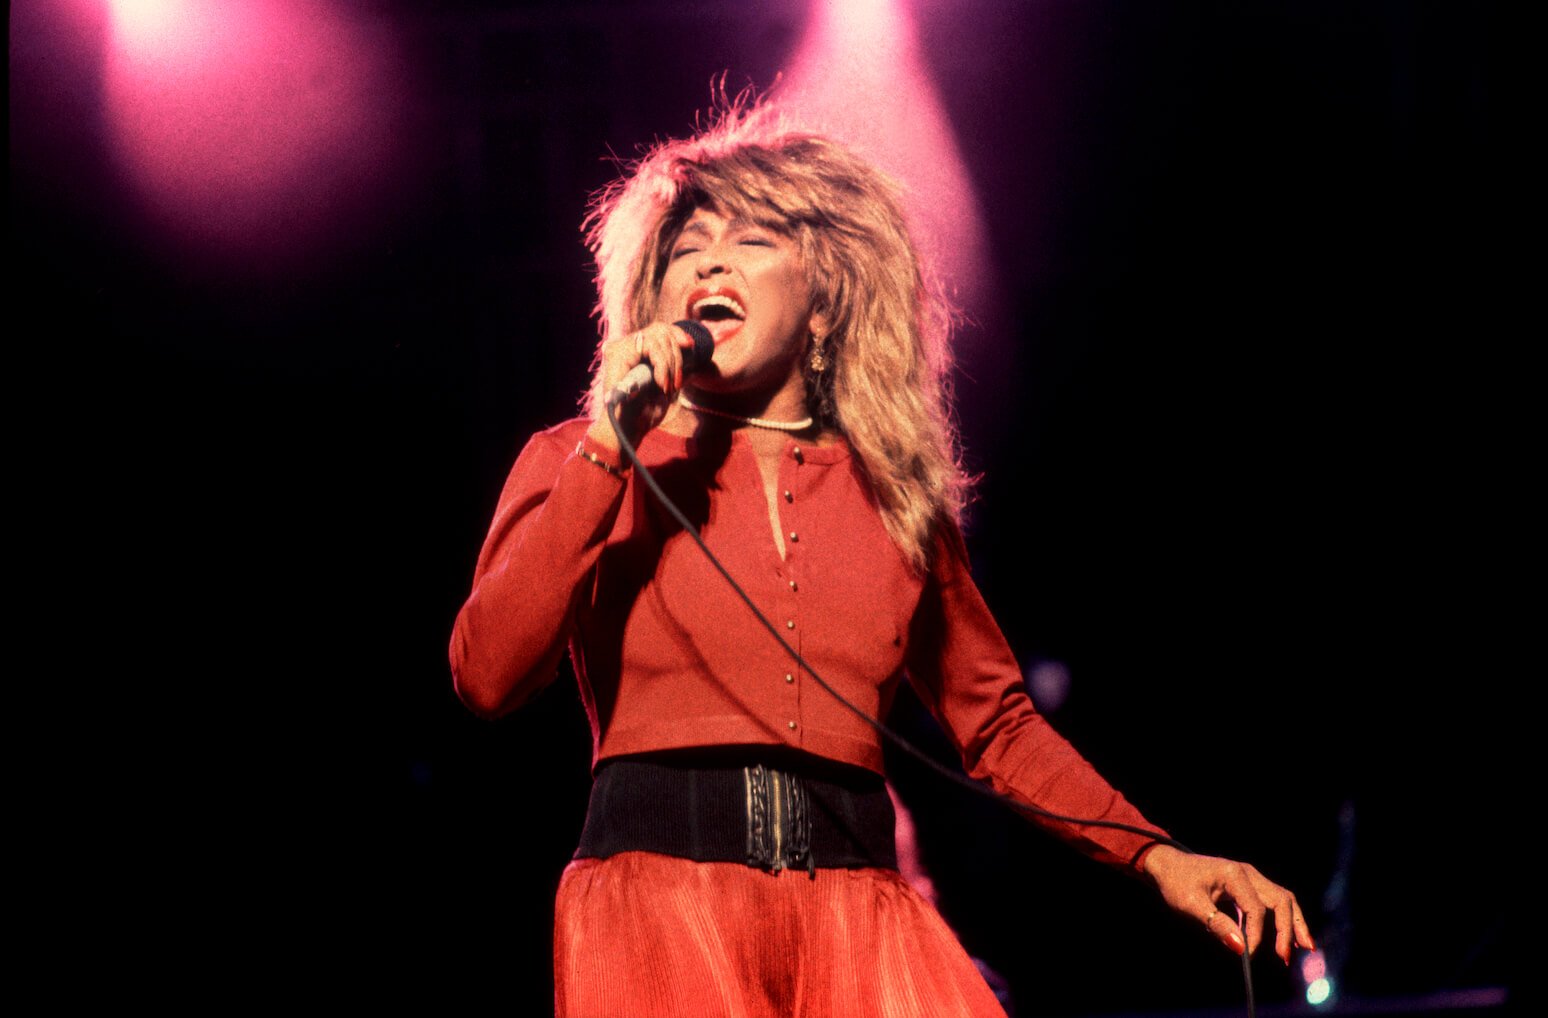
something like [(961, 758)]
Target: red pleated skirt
[(640, 935)]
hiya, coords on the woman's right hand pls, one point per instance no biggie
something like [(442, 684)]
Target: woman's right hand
[(660, 344)]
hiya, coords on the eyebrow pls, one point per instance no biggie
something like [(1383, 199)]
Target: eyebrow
[(735, 223)]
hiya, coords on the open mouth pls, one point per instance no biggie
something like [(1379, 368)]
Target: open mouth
[(721, 312)]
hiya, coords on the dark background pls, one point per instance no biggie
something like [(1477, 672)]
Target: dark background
[(1230, 401)]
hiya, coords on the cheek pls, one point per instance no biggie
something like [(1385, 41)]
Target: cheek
[(672, 289), (798, 297)]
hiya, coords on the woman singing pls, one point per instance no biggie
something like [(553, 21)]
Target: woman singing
[(738, 856)]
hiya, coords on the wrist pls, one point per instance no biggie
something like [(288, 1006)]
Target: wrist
[(1155, 858), (601, 456), (601, 439)]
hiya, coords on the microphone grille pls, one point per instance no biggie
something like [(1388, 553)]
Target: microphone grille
[(703, 344)]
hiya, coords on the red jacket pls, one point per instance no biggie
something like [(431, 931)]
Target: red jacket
[(668, 656)]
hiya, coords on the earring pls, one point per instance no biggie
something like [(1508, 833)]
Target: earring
[(819, 362)]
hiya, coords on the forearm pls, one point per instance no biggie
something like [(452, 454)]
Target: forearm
[(1037, 765), (965, 668), (549, 531)]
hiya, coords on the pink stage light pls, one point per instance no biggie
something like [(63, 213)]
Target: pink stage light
[(858, 74), (255, 131)]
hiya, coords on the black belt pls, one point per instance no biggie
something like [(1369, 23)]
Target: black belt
[(762, 808)]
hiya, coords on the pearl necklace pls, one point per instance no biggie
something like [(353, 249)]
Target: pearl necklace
[(756, 422)]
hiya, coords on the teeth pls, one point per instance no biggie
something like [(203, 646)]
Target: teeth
[(719, 300)]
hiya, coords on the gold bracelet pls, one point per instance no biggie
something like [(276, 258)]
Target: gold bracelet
[(584, 453)]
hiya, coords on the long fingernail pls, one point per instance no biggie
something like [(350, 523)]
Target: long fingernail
[(1238, 943)]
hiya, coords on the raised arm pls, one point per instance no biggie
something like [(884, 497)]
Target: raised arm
[(558, 506), (553, 518)]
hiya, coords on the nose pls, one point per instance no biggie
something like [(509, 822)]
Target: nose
[(712, 262)]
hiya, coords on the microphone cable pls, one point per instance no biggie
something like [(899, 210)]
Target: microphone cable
[(1025, 810)]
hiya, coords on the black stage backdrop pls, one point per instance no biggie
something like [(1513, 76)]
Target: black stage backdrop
[(1234, 401)]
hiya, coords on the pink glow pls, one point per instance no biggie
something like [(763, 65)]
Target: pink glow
[(1049, 684), (910, 864), (253, 129), (858, 75), (151, 25)]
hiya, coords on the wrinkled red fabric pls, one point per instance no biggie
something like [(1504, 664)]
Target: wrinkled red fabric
[(652, 936)]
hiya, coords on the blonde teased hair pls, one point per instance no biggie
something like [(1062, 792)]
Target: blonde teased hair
[(886, 389)]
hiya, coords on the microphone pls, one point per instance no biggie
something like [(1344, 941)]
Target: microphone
[(695, 358)]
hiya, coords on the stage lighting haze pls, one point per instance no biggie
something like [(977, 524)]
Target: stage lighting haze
[(249, 129), (858, 73)]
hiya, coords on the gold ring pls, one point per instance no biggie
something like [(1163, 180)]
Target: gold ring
[(1211, 917)]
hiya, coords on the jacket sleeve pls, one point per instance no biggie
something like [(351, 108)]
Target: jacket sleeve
[(549, 529), (963, 669)]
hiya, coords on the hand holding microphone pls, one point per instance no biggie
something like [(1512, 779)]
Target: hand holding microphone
[(651, 362), (665, 371)]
